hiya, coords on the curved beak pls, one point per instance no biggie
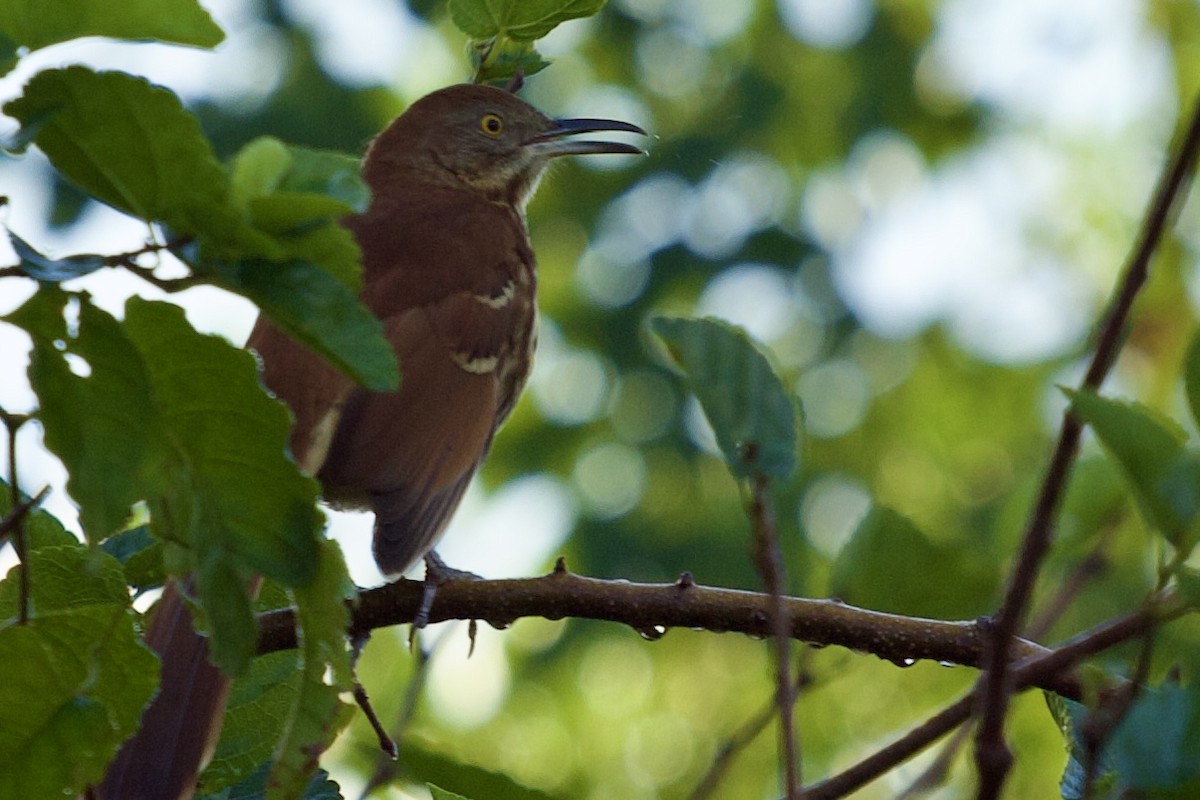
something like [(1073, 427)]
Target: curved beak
[(553, 142)]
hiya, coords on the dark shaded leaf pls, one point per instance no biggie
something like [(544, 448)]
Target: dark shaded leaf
[(755, 418)]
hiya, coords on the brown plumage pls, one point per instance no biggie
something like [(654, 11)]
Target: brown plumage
[(449, 271)]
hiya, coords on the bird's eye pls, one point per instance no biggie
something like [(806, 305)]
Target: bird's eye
[(491, 124)]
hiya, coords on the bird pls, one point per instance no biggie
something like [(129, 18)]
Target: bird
[(449, 270)]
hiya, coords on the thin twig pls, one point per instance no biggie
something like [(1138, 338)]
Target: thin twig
[(15, 523), (992, 756), (741, 739), (16, 516), (387, 768), (1027, 673), (768, 558), (386, 743), (1092, 565)]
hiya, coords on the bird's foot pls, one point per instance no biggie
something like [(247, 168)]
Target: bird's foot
[(436, 574)]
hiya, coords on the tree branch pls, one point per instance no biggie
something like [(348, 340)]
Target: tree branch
[(684, 604), (992, 756), (1037, 670)]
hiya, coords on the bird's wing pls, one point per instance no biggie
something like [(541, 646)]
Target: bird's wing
[(313, 390), (413, 451)]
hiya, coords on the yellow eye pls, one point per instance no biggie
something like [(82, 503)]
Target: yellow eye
[(491, 124)]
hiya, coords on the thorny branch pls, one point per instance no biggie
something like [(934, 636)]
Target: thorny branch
[(992, 756), (684, 604)]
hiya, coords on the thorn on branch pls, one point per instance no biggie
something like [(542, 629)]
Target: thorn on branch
[(686, 581), (560, 566)]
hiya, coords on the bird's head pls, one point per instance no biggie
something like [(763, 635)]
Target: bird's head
[(483, 138)]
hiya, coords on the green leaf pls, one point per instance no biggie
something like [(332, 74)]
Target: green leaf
[(318, 713), (523, 20), (226, 492), (127, 142), (888, 563), (43, 268), (434, 767), (65, 577), (1191, 372), (326, 172), (107, 449), (42, 529), (37, 23), (441, 794), (140, 554), (1149, 448), (259, 706), (496, 61), (316, 309), (76, 676), (307, 185), (255, 787), (1188, 581), (1155, 750), (9, 51), (755, 418)]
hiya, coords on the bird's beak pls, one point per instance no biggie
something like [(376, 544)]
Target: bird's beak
[(552, 143)]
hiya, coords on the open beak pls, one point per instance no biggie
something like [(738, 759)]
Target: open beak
[(553, 142)]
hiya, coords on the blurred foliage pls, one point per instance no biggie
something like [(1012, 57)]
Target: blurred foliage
[(921, 440)]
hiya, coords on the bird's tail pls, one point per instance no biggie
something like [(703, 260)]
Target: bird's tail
[(180, 727)]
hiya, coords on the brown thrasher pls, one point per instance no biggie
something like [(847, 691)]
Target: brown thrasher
[(449, 270)]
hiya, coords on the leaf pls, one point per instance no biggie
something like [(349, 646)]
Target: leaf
[(523, 20), (76, 676), (1153, 752), (260, 703), (329, 182), (318, 713), (441, 794), (255, 786), (1149, 448), (44, 268), (316, 309), (9, 51), (755, 418), (890, 565), (496, 61), (106, 449), (140, 554), (1191, 372), (133, 146), (1188, 581), (226, 493), (434, 767), (37, 23), (127, 142), (67, 577), (42, 529)]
